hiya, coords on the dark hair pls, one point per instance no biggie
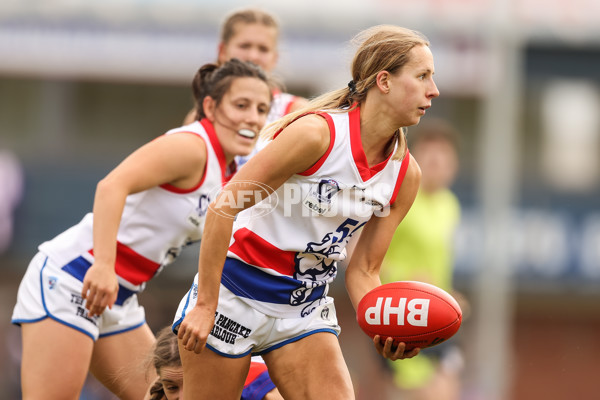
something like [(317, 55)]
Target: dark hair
[(215, 80), (164, 354)]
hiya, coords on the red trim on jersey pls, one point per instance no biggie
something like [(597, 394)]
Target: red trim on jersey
[(289, 105), (401, 175), (132, 266), (358, 153), (174, 189), (216, 145), (321, 160), (257, 251), (256, 368)]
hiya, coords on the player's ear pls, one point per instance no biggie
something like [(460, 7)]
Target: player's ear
[(382, 81), (209, 106)]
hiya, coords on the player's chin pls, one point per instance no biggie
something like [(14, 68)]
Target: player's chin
[(244, 149), (417, 119), (412, 121)]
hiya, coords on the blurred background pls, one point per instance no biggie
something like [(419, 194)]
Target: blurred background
[(84, 83)]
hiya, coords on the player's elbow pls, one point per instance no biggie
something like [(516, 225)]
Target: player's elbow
[(362, 273), (106, 186)]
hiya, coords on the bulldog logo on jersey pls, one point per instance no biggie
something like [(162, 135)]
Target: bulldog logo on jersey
[(321, 196), (316, 267)]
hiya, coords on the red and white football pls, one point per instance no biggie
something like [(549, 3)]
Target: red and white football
[(416, 313)]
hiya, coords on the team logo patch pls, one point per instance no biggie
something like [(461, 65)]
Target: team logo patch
[(322, 196), (52, 282), (194, 291), (196, 217), (326, 189), (325, 313)]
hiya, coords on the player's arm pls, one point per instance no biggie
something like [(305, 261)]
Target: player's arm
[(362, 274), (177, 159), (297, 148)]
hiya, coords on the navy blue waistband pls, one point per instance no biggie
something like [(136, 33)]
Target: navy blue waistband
[(79, 266), (247, 281)]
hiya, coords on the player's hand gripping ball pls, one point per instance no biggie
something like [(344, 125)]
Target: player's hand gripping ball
[(416, 313)]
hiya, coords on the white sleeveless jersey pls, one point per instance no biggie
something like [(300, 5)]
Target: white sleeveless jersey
[(155, 225), (284, 250), (282, 102)]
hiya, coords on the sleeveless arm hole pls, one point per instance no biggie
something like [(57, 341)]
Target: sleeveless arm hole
[(321, 160), (401, 175), (175, 189)]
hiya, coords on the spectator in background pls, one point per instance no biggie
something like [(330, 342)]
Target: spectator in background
[(253, 35), (169, 384), (11, 181), (421, 250)]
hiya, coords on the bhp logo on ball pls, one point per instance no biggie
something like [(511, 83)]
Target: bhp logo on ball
[(416, 311)]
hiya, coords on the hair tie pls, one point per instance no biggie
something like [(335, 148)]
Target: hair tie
[(352, 87)]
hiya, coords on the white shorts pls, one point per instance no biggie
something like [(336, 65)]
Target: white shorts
[(48, 291), (240, 330)]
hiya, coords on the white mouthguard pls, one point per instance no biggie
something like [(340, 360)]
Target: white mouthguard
[(247, 133)]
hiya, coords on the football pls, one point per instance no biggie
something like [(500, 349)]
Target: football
[(416, 313)]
